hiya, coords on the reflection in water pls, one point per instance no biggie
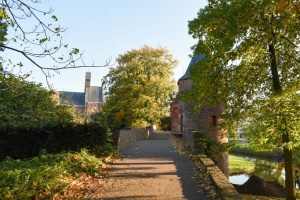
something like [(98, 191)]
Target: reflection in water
[(265, 169)]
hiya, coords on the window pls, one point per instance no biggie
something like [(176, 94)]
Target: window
[(175, 112)]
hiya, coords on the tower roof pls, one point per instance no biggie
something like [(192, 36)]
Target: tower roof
[(195, 60)]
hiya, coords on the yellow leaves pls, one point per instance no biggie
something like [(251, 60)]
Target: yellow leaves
[(9, 196), (281, 5), (141, 84), (3, 14), (34, 183), (120, 115)]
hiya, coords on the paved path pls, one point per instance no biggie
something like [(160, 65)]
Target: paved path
[(152, 169)]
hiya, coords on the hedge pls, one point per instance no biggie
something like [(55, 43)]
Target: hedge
[(27, 142)]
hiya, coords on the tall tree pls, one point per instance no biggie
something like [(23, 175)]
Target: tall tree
[(252, 65), (139, 87)]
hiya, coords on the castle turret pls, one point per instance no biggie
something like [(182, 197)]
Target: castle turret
[(205, 121)]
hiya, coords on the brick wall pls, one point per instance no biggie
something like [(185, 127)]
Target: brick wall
[(206, 120)]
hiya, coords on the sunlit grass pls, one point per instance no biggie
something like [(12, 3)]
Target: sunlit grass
[(246, 148), (239, 165), (43, 176)]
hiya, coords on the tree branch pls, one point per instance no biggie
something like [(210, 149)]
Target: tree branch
[(296, 59), (107, 63), (283, 37)]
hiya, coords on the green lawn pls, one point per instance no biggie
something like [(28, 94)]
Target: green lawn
[(239, 165)]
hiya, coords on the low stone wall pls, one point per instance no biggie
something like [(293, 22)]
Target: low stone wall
[(224, 188), (124, 138), (188, 136)]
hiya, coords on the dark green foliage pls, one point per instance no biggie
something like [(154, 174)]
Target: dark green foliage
[(165, 123), (27, 142), (27, 104), (211, 147)]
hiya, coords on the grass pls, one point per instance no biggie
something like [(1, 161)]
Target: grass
[(43, 176), (239, 165), (245, 148)]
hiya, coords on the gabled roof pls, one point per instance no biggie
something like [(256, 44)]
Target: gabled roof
[(76, 98), (195, 60)]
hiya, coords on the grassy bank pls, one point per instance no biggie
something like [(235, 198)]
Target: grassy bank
[(245, 148), (43, 176), (239, 165)]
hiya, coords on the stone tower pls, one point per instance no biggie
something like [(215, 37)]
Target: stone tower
[(205, 121), (87, 86)]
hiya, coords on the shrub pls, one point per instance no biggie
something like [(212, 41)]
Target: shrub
[(27, 142)]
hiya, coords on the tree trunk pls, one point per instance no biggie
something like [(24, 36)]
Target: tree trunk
[(288, 157), (289, 171)]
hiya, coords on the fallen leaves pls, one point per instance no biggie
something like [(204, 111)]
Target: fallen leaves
[(203, 178), (86, 184)]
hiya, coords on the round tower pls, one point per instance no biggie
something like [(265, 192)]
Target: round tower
[(205, 121)]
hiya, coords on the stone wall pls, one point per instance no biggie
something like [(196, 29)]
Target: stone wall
[(224, 188), (124, 138)]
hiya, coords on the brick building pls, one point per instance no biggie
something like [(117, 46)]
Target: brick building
[(88, 102), (185, 122)]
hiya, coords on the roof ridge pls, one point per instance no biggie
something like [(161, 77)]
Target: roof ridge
[(195, 59)]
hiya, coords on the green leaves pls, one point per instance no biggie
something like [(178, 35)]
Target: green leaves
[(251, 65), (25, 103), (234, 36), (139, 87), (43, 40), (75, 51), (54, 17)]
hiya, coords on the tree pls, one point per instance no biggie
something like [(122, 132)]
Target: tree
[(139, 87), (26, 104), (34, 36), (251, 65)]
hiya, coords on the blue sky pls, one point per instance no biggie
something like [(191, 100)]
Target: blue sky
[(105, 29)]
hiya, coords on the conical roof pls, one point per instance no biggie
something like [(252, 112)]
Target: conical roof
[(195, 60)]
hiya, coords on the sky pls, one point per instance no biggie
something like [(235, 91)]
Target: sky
[(105, 29)]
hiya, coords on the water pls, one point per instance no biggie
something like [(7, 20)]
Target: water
[(266, 169)]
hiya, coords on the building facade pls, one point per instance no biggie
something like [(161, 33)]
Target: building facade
[(205, 121), (88, 102)]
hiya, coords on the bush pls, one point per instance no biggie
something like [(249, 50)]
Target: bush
[(27, 142), (165, 123)]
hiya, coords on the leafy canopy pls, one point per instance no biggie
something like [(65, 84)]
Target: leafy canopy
[(235, 36), (139, 87), (252, 66)]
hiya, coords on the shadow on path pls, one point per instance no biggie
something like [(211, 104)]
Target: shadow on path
[(152, 169)]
